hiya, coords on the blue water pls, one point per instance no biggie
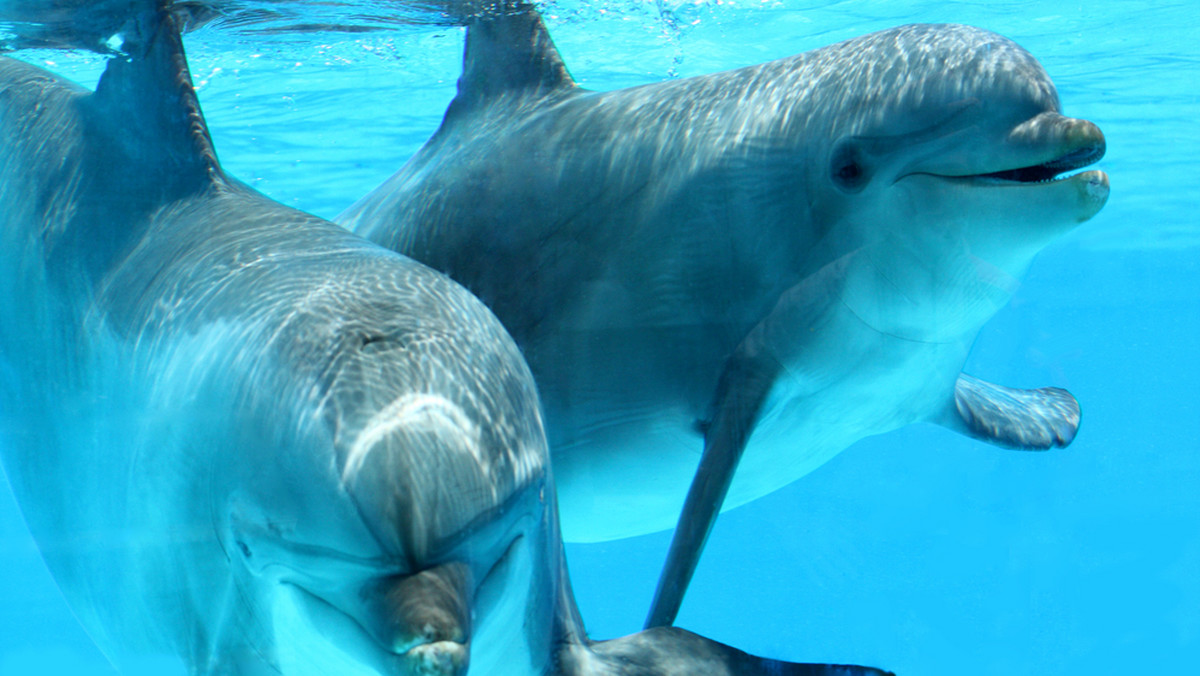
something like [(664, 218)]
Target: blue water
[(920, 551)]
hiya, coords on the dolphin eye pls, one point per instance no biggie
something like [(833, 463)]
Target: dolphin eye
[(849, 172), (847, 169)]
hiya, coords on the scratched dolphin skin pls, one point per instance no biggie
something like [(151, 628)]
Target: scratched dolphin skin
[(751, 269), (244, 436)]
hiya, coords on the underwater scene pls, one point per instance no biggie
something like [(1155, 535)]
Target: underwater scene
[(858, 336)]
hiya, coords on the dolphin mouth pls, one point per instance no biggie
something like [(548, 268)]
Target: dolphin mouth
[(1048, 172), (1041, 150), (1048, 145)]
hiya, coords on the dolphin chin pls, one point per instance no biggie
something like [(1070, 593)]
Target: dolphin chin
[(1070, 199)]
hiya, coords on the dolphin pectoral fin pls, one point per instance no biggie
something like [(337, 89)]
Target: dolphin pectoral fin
[(670, 650), (1036, 419), (743, 388)]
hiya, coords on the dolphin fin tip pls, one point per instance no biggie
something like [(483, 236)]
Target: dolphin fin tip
[(1037, 419), (508, 50)]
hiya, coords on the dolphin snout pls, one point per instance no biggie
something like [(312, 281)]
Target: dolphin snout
[(443, 658), (424, 618), (1073, 142)]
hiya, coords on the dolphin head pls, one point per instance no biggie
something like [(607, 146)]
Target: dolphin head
[(416, 519), (943, 151), (451, 476), (955, 129)]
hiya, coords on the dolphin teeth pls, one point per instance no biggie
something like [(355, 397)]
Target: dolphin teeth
[(1048, 171)]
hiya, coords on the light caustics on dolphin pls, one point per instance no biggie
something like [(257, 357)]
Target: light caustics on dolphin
[(244, 436), (755, 268)]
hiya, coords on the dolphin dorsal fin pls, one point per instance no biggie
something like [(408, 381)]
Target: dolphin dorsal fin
[(146, 92), (508, 52)]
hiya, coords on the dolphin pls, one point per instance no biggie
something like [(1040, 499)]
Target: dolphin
[(749, 270), (243, 436)]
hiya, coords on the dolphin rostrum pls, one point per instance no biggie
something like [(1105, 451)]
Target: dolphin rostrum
[(245, 436), (749, 270)]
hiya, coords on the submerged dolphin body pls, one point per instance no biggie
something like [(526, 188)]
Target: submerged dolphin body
[(767, 264), (245, 436)]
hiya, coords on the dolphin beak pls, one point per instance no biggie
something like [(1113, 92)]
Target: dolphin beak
[(1051, 144), (1050, 129), (425, 618), (1033, 158), (1035, 152)]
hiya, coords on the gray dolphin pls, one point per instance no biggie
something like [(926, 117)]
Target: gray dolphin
[(765, 264), (243, 435)]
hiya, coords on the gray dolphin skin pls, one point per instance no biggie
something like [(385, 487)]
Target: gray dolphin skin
[(749, 270), (246, 437)]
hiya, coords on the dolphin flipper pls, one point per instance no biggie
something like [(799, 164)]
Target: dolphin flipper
[(744, 385), (1024, 419), (670, 650)]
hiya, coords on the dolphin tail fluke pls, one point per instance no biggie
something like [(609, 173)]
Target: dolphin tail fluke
[(670, 650), (1036, 420), (743, 388)]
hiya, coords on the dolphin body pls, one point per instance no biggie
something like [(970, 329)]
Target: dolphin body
[(752, 269), (245, 436)]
